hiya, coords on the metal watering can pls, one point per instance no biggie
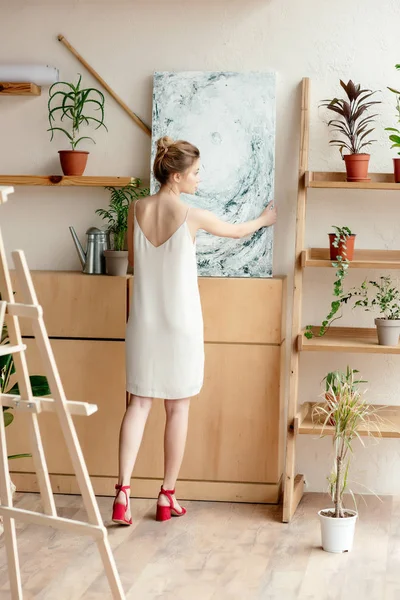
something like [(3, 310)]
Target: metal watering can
[(93, 260)]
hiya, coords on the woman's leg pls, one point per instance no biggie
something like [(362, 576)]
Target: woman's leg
[(177, 413), (130, 438)]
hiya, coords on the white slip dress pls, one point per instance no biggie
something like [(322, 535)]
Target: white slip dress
[(164, 334)]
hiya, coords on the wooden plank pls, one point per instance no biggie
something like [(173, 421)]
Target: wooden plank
[(19, 89), (389, 426), (300, 416), (242, 310), (63, 180), (363, 259), (332, 180), (91, 371), (346, 339), (210, 491), (76, 305), (289, 481), (233, 424)]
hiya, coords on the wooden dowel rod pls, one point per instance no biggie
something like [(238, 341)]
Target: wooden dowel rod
[(126, 108)]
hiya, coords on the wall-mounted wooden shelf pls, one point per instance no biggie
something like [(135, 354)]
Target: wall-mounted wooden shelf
[(387, 420), (322, 179), (363, 259), (62, 180), (345, 339), (19, 89)]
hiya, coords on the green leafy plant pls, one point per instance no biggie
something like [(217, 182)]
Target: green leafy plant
[(39, 384), (395, 138), (353, 126), (117, 213), (341, 264), (69, 102), (346, 410), (383, 295)]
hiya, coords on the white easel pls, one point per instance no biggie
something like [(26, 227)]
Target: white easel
[(62, 407)]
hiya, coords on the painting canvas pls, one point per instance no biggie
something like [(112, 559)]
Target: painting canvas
[(230, 117)]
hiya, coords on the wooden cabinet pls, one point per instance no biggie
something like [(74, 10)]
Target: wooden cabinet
[(234, 449)]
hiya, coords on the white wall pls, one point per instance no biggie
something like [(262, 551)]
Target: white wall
[(126, 42)]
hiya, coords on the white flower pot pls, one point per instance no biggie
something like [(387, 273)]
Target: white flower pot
[(388, 331), (116, 262), (337, 534)]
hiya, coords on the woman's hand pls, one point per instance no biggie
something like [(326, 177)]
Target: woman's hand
[(269, 214)]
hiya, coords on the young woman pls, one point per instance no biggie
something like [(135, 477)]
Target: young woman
[(164, 337)]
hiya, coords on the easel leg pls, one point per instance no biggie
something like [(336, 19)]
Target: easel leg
[(110, 569)]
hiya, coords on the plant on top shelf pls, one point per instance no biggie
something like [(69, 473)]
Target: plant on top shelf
[(341, 253), (75, 107), (353, 127), (395, 137), (383, 295), (116, 216), (346, 412)]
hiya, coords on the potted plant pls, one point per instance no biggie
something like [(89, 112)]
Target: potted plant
[(71, 103), (117, 217), (353, 127), (345, 412), (341, 243), (39, 384), (341, 253), (383, 295), (395, 137)]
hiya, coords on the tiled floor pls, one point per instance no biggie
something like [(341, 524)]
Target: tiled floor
[(219, 551)]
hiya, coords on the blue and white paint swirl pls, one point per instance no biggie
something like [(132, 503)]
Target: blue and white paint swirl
[(231, 118)]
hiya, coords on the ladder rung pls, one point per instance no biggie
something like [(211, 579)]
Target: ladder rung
[(6, 349), (39, 404), (26, 311)]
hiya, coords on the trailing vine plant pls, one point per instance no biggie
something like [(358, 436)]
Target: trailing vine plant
[(341, 264)]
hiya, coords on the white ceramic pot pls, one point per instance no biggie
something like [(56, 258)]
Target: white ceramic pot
[(337, 534), (388, 331), (116, 262)]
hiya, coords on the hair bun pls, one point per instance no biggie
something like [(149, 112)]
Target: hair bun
[(164, 143)]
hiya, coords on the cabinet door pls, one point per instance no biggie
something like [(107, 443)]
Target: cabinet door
[(91, 371), (234, 423)]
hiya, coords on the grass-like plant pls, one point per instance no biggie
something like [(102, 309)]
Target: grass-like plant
[(346, 410), (71, 104), (116, 215), (354, 125)]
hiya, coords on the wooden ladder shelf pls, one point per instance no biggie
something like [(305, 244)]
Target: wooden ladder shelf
[(337, 339), (11, 312)]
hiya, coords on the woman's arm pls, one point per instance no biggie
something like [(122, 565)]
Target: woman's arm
[(204, 219), (130, 234)]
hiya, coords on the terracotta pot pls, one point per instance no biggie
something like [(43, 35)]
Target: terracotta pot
[(357, 167), (396, 163), (340, 251), (73, 162)]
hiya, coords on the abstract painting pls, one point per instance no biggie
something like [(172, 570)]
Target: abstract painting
[(230, 117)]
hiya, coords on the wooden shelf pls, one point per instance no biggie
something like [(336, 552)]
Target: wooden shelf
[(389, 428), (322, 179), (345, 339), (62, 180), (363, 259), (19, 89)]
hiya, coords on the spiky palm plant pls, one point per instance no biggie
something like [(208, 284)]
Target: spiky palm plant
[(353, 129), (73, 104), (117, 213)]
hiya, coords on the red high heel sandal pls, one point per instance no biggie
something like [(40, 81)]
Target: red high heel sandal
[(164, 513), (119, 510)]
